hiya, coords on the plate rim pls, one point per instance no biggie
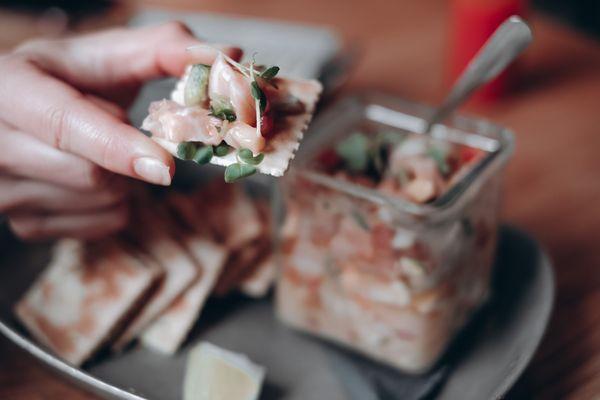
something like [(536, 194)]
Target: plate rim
[(547, 273)]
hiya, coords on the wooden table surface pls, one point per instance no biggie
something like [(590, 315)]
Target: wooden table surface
[(552, 184)]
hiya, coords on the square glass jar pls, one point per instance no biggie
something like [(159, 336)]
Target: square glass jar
[(388, 277)]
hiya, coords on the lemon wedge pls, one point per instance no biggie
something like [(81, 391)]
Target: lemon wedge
[(214, 373)]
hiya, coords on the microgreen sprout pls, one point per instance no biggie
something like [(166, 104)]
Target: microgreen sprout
[(203, 155), (237, 171), (246, 156), (354, 150), (222, 150), (258, 95), (223, 113), (440, 159), (186, 150), (269, 73)]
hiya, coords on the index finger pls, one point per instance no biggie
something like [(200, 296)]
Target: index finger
[(123, 56), (61, 116)]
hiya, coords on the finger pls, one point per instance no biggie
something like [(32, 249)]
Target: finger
[(25, 156), (19, 195), (82, 226), (61, 116), (120, 56), (113, 109)]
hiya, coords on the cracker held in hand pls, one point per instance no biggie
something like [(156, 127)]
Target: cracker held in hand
[(239, 116)]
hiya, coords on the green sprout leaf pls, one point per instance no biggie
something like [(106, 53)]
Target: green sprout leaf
[(354, 150), (237, 171), (390, 138), (246, 156), (222, 150), (223, 113), (259, 95), (440, 158), (186, 150), (269, 73), (203, 155)]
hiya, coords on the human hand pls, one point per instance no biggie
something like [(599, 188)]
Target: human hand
[(64, 139)]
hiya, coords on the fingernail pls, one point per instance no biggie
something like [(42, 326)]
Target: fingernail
[(152, 170)]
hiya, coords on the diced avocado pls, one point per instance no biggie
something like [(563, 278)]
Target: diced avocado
[(196, 85)]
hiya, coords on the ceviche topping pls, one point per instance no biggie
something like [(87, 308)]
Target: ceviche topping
[(243, 106), (406, 165), (391, 285)]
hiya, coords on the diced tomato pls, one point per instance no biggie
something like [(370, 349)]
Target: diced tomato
[(328, 159), (468, 154), (294, 276), (267, 124), (381, 238), (321, 235)]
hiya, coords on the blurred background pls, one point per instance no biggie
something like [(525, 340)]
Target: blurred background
[(413, 49)]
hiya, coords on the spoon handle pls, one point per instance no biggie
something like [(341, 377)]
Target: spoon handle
[(507, 42)]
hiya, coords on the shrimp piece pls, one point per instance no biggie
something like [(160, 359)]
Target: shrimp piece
[(177, 123), (351, 241), (226, 82), (241, 135), (218, 81), (426, 182)]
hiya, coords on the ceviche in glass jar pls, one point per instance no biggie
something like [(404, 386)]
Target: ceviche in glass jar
[(389, 235)]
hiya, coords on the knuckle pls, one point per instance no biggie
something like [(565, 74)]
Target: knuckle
[(57, 124), (58, 121)]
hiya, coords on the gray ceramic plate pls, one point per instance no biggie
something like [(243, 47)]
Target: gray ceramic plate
[(485, 361)]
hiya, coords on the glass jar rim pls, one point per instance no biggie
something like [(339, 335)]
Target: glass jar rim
[(498, 142)]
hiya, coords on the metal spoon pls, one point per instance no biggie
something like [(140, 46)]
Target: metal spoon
[(506, 43)]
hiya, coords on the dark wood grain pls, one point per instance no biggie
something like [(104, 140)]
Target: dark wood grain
[(552, 184)]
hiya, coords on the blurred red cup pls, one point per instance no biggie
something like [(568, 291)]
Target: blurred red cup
[(472, 23)]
